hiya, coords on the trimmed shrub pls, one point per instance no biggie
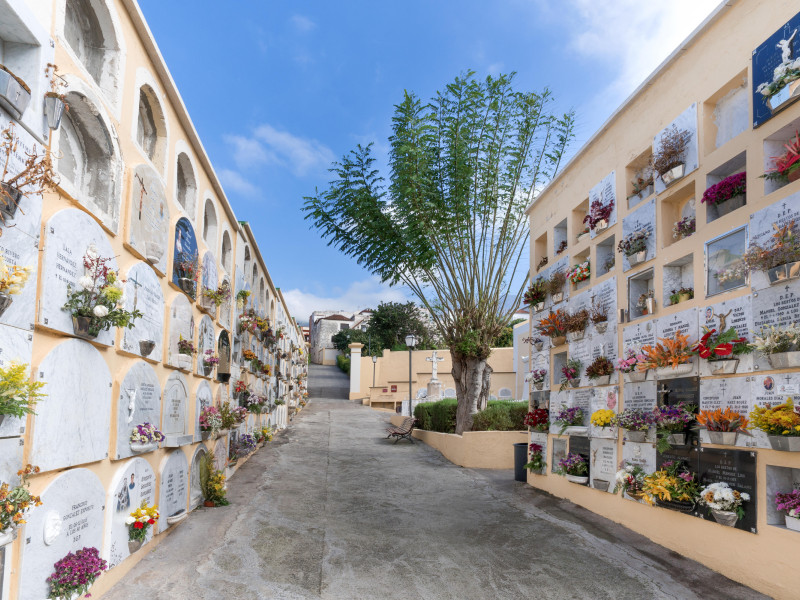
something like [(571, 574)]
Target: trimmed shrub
[(343, 362), (494, 418), (437, 416), (500, 415)]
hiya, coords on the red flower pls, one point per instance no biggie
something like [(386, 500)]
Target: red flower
[(151, 522), (705, 352), (707, 335), (138, 525), (724, 350)]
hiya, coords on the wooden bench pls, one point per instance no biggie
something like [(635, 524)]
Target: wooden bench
[(402, 431)]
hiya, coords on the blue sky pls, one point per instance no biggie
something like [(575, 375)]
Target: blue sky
[(278, 90)]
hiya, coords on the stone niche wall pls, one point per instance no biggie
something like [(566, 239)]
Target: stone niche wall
[(195, 492), (133, 483), (139, 402), (143, 292), (71, 426), (18, 249), (174, 489), (148, 222)]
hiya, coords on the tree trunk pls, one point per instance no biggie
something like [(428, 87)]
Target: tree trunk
[(472, 377)]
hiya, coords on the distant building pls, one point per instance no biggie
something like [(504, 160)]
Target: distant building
[(324, 324)]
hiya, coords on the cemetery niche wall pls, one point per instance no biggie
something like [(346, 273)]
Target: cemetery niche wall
[(139, 403), (143, 293), (173, 489), (133, 483), (185, 258), (148, 223)]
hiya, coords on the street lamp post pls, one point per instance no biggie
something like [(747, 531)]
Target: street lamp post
[(411, 341), (374, 361)]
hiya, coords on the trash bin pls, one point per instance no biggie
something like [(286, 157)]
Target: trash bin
[(520, 460)]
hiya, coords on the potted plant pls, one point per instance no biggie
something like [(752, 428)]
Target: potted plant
[(673, 486), (139, 523), (636, 422), (212, 482), (75, 573), (538, 376), (684, 228), (575, 468), (536, 464), (541, 264), (683, 294), (670, 357), (599, 316), (538, 419), (570, 421), (187, 270), (600, 370), (536, 294), (98, 304), (721, 350), (599, 216), (576, 324), (780, 261), (781, 423), (634, 246), (37, 174), (17, 503), (780, 346), (627, 365), (562, 246), (12, 280), (555, 285), (210, 360), (669, 159), (571, 373), (671, 423), (186, 350), (210, 422), (15, 95), (579, 272), (554, 326), (604, 419), (724, 502), (728, 194), (723, 425), (790, 502), (18, 394), (630, 481), (54, 103), (145, 438)]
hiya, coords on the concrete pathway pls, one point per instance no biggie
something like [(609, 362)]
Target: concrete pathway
[(332, 510)]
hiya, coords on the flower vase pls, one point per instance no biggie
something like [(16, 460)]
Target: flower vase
[(557, 298), (146, 347), (186, 285), (53, 110), (669, 372), (538, 346), (635, 436), (578, 430), (574, 382), (723, 367), (684, 297), (581, 480), (539, 385), (602, 380), (207, 369), (725, 517), (673, 174), (601, 484), (134, 545), (601, 327), (81, 325), (784, 360), (538, 307), (676, 439), (793, 270), (723, 438), (184, 361), (638, 257), (153, 251), (636, 376), (5, 302), (792, 523), (9, 200)]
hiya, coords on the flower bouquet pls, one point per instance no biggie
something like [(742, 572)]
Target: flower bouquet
[(536, 294), (781, 423), (246, 444), (18, 394), (600, 370), (723, 425), (562, 246), (538, 419), (139, 522), (672, 486), (75, 573), (787, 166), (634, 246), (579, 272), (722, 349), (537, 377), (781, 346), (536, 464), (630, 480), (790, 502), (210, 360), (571, 373), (145, 437), (684, 228), (575, 468), (671, 423), (554, 326), (627, 365), (571, 421), (728, 194), (555, 286), (16, 503), (724, 502), (669, 157), (604, 419), (670, 357), (636, 422), (599, 316)]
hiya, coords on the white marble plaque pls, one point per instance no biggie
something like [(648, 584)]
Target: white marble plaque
[(221, 453), (640, 453), (559, 452), (643, 218), (638, 334), (133, 483), (558, 400), (195, 491), (203, 399), (778, 305), (175, 420), (148, 223), (583, 400), (71, 518), (139, 402), (143, 292), (687, 120), (684, 321), (640, 396), (603, 461), (605, 192), (68, 234), (181, 324), (11, 449), (604, 398), (205, 341), (16, 346), (763, 225), (20, 250), (71, 426), (28, 218), (174, 490), (736, 313)]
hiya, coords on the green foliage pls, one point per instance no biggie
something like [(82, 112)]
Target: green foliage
[(391, 322), (506, 337), (345, 337), (343, 362), (18, 394), (437, 416), (499, 415)]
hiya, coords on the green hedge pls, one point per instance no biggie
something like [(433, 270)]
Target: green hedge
[(499, 416), (343, 363)]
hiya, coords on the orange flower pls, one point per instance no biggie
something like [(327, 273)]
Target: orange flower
[(669, 352), (722, 420)]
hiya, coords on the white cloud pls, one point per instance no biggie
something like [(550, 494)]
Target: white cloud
[(268, 145), (302, 23), (367, 293), (231, 180)]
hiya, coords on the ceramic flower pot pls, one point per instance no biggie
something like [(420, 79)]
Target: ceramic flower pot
[(538, 307), (209, 503), (725, 517), (601, 327), (784, 443), (80, 325), (53, 110), (677, 439), (10, 198), (669, 372), (723, 367), (146, 347), (582, 480), (673, 174), (684, 297), (677, 505), (730, 205), (134, 545), (5, 302), (639, 257), (538, 385), (636, 376), (601, 484), (184, 361), (578, 430), (558, 297), (186, 285), (138, 448), (603, 380), (792, 523), (723, 438), (538, 346), (600, 226), (784, 360), (559, 340), (635, 436), (14, 94)]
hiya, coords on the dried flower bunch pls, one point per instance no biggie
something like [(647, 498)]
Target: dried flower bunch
[(577, 321), (146, 433), (784, 249), (13, 278), (600, 367), (555, 284), (734, 185), (721, 496), (671, 149), (562, 246), (599, 313), (541, 263)]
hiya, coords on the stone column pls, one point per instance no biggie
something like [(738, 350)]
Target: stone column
[(355, 370)]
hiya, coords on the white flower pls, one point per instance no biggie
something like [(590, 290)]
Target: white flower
[(100, 311), (130, 521), (86, 282)]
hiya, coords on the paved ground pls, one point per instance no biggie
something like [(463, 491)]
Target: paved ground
[(331, 510)]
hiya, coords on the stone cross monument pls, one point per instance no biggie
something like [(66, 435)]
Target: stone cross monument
[(434, 385)]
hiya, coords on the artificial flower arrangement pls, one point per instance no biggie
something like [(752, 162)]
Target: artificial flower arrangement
[(640, 184), (667, 353), (240, 389), (257, 404), (571, 373), (684, 228), (212, 482), (536, 462), (785, 73), (569, 417), (671, 423), (577, 322), (146, 433), (241, 298), (99, 303), (186, 347), (537, 377), (603, 417), (671, 151), (553, 325), (634, 243), (725, 503), (787, 166), (599, 215), (632, 419), (562, 246), (730, 187), (17, 501), (232, 415), (536, 293), (219, 296), (579, 272), (781, 420), (574, 465), (630, 480), (210, 420), (12, 280), (18, 394), (672, 486), (75, 573), (210, 359), (246, 444), (630, 361), (538, 419), (784, 250), (724, 346), (774, 340), (734, 274), (140, 521), (600, 368), (789, 502), (555, 285), (723, 425), (264, 434)]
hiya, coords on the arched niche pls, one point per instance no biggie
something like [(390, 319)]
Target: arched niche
[(148, 222), (186, 184), (70, 518), (184, 258), (221, 453), (210, 224), (203, 398), (226, 254), (151, 126), (143, 292), (175, 412), (209, 280), (225, 307), (206, 340), (224, 353), (195, 491), (139, 402), (69, 233), (133, 483), (71, 426), (173, 493), (181, 324)]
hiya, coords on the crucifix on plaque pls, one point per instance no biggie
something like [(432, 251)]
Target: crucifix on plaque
[(141, 195), (434, 366), (662, 392), (136, 286)]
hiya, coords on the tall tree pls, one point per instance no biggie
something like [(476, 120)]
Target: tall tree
[(391, 322), (451, 224)]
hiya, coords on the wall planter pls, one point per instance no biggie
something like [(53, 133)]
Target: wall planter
[(784, 443), (15, 95), (601, 484), (80, 325), (153, 251), (636, 376), (581, 480), (677, 439), (7, 536), (723, 367), (784, 360), (673, 174), (578, 430), (186, 285), (670, 373), (146, 347), (782, 273), (558, 297), (792, 523), (723, 438), (538, 385), (603, 380), (574, 336), (9, 200), (538, 307), (730, 205), (5, 302), (608, 433), (138, 448), (600, 226), (559, 340), (184, 361), (207, 369), (725, 517), (639, 257), (676, 505), (635, 436), (177, 517), (53, 110), (134, 545), (601, 327), (783, 97)]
